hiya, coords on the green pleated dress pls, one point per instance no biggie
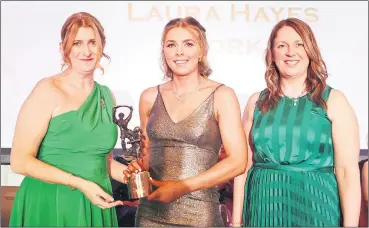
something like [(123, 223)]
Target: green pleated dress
[(292, 182), (76, 142)]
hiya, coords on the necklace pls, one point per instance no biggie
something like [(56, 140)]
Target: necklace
[(295, 99), (178, 96)]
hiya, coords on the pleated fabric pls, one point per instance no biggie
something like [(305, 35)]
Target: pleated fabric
[(292, 181)]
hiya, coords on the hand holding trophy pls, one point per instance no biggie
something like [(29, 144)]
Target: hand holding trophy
[(138, 182)]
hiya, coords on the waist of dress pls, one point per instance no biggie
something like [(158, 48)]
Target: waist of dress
[(89, 167), (162, 143), (295, 168)]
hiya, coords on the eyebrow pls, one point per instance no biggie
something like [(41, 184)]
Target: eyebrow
[(183, 41), (88, 40), (285, 41)]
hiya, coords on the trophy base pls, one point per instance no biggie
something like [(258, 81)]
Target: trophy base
[(129, 158), (139, 186), (126, 159)]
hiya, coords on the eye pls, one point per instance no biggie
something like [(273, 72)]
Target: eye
[(300, 45), (189, 44), (77, 43), (170, 45), (93, 42), (281, 46)]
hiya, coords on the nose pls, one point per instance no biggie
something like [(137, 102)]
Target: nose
[(179, 50), (86, 50), (291, 51)]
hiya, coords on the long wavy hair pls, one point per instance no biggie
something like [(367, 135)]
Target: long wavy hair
[(192, 25), (316, 72)]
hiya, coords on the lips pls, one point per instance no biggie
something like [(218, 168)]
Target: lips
[(292, 63), (180, 62), (87, 60)]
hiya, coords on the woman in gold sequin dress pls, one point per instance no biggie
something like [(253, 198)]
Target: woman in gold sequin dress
[(186, 120)]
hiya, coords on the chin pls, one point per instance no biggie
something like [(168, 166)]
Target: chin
[(292, 74), (183, 72), (87, 70)]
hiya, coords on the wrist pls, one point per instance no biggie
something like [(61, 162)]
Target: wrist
[(76, 182), (182, 187)]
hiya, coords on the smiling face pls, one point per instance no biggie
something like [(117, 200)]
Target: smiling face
[(82, 43), (84, 52), (182, 51), (289, 53)]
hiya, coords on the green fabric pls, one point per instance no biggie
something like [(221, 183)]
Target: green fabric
[(292, 182), (76, 142)]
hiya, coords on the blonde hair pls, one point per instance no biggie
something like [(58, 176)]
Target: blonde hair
[(187, 23), (69, 32), (316, 73)]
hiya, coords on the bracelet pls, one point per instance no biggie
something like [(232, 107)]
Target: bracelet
[(70, 187), (174, 189)]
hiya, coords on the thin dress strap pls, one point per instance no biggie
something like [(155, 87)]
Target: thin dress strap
[(217, 88)]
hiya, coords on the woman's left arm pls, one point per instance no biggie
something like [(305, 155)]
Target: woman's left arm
[(345, 133), (116, 169)]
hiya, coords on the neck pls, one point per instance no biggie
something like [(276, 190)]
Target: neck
[(293, 87), (185, 83), (82, 81)]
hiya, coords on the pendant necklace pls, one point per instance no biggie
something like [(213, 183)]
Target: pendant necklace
[(178, 96), (295, 99)]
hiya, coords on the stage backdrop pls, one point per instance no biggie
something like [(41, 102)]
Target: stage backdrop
[(237, 34)]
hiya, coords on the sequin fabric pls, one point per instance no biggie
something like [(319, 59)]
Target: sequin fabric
[(178, 151)]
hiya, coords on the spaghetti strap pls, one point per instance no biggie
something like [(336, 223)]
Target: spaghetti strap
[(217, 88)]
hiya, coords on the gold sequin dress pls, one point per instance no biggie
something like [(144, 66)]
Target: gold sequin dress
[(178, 151)]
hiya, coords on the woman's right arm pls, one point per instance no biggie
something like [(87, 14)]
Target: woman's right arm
[(32, 123), (147, 100), (239, 181), (31, 126)]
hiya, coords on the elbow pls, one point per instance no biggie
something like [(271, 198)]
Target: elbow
[(242, 171), (348, 174), (18, 166), (241, 166), (15, 168)]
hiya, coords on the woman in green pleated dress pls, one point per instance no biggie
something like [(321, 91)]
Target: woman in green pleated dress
[(303, 136), (64, 137)]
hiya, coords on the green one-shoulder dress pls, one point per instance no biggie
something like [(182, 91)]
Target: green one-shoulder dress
[(77, 142), (292, 181)]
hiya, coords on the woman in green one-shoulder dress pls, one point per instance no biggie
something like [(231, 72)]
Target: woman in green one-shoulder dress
[(304, 139), (64, 135)]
